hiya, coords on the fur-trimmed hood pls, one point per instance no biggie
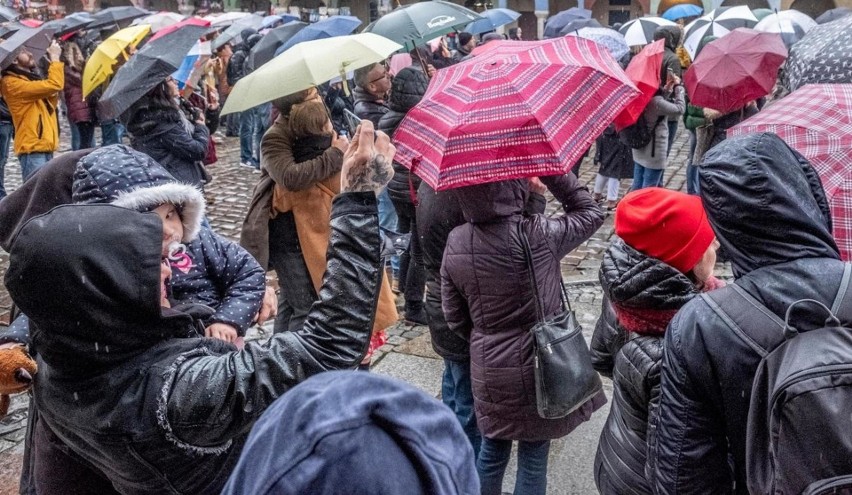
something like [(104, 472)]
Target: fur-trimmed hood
[(124, 177)]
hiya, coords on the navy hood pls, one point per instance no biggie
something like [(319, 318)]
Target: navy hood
[(765, 202), (355, 433)]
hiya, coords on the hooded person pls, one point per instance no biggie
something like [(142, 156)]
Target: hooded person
[(769, 211), (119, 391), (663, 258), (329, 432), (671, 62)]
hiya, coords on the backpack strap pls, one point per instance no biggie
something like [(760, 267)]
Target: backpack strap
[(842, 305), (742, 310)]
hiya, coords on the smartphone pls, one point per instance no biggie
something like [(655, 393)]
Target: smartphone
[(352, 121)]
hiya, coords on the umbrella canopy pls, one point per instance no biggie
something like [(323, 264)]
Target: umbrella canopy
[(271, 20), (640, 32), (339, 25), (682, 11), (7, 14), (147, 68), (610, 39), (308, 64), (225, 19), (644, 72), (32, 23), (816, 120), (761, 13), (556, 22), (824, 55), (792, 25), (492, 19), (99, 66), (418, 23), (117, 15), (717, 23), (514, 113), (36, 40), (233, 32), (190, 22), (833, 15), (9, 28), (578, 24), (264, 50), (70, 24), (736, 69), (158, 21), (192, 67)]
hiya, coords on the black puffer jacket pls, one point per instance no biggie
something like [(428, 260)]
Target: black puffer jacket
[(409, 86), (770, 214), (368, 107), (161, 133), (151, 412), (641, 286)]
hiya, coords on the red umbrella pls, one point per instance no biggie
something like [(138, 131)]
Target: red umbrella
[(644, 71), (518, 113), (33, 23), (735, 69), (816, 120), (192, 21)]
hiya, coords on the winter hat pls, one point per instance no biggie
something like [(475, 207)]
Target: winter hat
[(667, 225), (125, 177), (368, 433)]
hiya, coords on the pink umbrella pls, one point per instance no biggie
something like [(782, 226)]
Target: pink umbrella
[(816, 120), (513, 113), (644, 71)]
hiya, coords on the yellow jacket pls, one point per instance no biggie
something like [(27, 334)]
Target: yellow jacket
[(34, 108)]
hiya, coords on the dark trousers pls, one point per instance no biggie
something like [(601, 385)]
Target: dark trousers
[(412, 274), (296, 290)]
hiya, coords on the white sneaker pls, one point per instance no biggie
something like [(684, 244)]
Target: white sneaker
[(248, 164)]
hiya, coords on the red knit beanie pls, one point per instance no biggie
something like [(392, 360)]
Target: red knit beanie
[(668, 225)]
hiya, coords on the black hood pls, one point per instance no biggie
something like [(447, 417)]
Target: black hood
[(407, 89), (488, 202), (765, 202), (88, 276), (669, 33)]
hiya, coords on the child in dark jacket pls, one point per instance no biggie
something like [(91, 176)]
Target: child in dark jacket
[(664, 258)]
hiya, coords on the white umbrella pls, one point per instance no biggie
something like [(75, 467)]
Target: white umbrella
[(717, 23), (159, 20), (641, 31), (226, 18), (792, 25)]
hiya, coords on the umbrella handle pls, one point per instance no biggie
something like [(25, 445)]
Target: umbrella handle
[(422, 62)]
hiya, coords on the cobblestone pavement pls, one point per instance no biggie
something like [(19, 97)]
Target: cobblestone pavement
[(229, 195)]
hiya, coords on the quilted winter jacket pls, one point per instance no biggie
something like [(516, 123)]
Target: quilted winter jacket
[(632, 359), (770, 214), (159, 414), (79, 109), (487, 297), (368, 107), (34, 108)]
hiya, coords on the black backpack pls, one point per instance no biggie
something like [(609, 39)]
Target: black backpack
[(799, 427), (638, 135)]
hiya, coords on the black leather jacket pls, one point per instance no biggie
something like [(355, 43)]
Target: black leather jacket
[(770, 214), (151, 412)]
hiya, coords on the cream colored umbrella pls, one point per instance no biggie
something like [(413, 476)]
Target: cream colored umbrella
[(308, 64)]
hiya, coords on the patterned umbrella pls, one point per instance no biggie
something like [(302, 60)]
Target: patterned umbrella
[(816, 120), (513, 113), (610, 39), (556, 22), (717, 23), (734, 70), (791, 24), (824, 55), (640, 32)]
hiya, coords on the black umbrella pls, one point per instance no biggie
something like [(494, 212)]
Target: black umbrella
[(833, 15), (8, 14), (556, 22), (36, 40), (823, 56), (264, 50), (579, 24), (117, 15), (420, 22), (71, 23), (147, 68)]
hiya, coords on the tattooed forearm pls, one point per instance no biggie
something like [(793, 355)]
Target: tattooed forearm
[(372, 177)]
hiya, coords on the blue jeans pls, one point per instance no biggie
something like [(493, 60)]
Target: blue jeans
[(75, 135), (111, 132), (248, 122), (31, 162), (388, 221), (692, 170), (457, 394), (7, 132), (645, 177), (532, 466)]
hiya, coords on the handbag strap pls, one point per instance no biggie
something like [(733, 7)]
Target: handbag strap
[(525, 242)]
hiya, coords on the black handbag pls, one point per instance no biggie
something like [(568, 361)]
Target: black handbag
[(564, 376)]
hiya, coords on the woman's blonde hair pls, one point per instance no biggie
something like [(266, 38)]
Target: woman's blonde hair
[(74, 56), (309, 119)]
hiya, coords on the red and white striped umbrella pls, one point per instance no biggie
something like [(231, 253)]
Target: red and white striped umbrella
[(816, 120), (529, 109)]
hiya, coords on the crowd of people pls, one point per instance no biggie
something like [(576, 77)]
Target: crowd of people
[(141, 380)]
